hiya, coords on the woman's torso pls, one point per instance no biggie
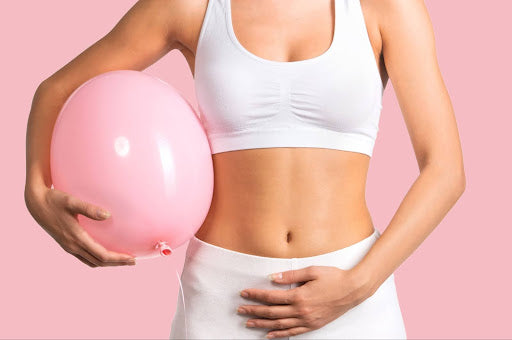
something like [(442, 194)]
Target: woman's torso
[(285, 201)]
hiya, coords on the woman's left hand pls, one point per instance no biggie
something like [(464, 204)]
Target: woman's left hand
[(328, 292)]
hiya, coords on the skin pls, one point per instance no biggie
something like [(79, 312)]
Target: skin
[(272, 201)]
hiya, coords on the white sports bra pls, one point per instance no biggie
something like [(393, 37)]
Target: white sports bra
[(329, 101)]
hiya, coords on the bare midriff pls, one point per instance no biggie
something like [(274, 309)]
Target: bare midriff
[(288, 202), (285, 201)]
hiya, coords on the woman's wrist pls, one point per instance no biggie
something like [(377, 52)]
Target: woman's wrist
[(364, 279), (34, 191)]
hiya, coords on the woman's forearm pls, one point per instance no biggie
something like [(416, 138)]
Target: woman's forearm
[(426, 203), (46, 104)]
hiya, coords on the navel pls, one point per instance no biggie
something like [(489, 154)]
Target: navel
[(288, 236)]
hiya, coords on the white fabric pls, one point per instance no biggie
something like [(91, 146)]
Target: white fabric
[(333, 100), (212, 278)]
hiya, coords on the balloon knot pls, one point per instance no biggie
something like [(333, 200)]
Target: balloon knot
[(165, 249)]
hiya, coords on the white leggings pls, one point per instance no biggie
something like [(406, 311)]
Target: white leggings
[(213, 277)]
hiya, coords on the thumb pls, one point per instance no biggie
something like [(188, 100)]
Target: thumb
[(296, 275), (81, 207)]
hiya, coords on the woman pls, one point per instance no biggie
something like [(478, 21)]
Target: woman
[(290, 94)]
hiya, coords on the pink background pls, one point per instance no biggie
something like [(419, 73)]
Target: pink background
[(456, 285)]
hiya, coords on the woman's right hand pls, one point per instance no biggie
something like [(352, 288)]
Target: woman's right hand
[(56, 212), (147, 32)]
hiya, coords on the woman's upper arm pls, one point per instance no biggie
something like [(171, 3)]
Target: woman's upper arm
[(145, 33), (411, 62)]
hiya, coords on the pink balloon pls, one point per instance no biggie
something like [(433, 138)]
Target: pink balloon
[(129, 142)]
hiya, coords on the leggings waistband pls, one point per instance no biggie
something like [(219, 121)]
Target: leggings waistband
[(199, 250)]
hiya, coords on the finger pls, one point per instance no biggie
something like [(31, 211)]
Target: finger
[(270, 312), (85, 241), (80, 253), (85, 253), (84, 260), (274, 324), (273, 296), (79, 206), (297, 275), (288, 332), (89, 257)]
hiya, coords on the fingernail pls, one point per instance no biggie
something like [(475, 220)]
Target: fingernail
[(103, 213), (275, 276), (244, 294)]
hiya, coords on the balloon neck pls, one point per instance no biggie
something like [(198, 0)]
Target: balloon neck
[(165, 249)]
